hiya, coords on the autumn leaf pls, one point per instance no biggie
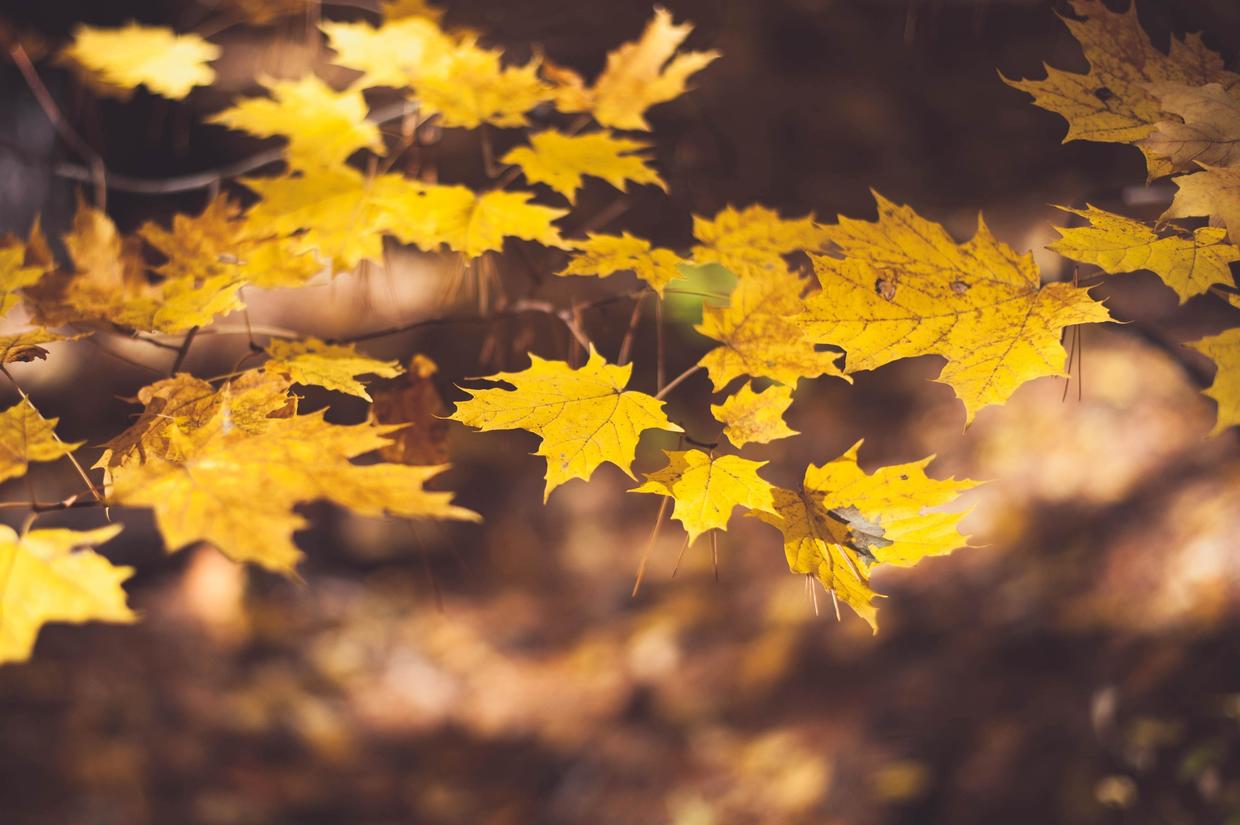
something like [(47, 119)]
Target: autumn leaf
[(1214, 192), (1224, 350), (167, 63), (395, 54), (16, 273), (605, 255), (1189, 264), (26, 436), (472, 87), (332, 366), (755, 417), (200, 479), (638, 75), (323, 127), (46, 581), (561, 160), (1208, 131), (905, 289), (430, 215), (584, 416), (217, 242), (1113, 102), (754, 237), (108, 283), (706, 489), (28, 345), (758, 335), (413, 403)]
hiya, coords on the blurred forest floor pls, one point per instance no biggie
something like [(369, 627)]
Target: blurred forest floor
[(1080, 666)]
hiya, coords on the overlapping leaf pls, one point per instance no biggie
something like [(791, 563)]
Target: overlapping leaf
[(584, 416), (753, 238), (707, 488), (26, 436), (1224, 350), (605, 255), (905, 288), (332, 366)]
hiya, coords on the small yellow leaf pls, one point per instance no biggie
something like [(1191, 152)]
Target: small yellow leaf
[(638, 75), (707, 488), (199, 474), (167, 63), (1113, 103), (472, 87), (45, 581), (1224, 350), (28, 345), (26, 436), (906, 289), (1189, 265), (755, 417), (323, 127), (16, 272), (585, 416), (332, 366), (757, 332), (560, 161), (605, 255), (753, 238), (395, 54)]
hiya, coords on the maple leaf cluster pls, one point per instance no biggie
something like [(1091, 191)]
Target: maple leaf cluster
[(226, 461)]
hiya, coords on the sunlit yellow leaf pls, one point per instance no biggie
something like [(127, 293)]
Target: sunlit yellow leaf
[(167, 63), (1224, 350), (323, 126), (605, 255), (1189, 264), (46, 581), (707, 488), (28, 345), (473, 87), (753, 237), (585, 416), (1112, 102), (16, 272), (905, 289), (755, 417), (26, 436), (333, 366), (758, 335), (200, 477), (560, 161), (638, 75), (395, 54)]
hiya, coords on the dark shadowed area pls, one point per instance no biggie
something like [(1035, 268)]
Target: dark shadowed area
[(1079, 665)]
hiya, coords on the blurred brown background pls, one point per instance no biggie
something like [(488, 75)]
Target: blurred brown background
[(1081, 667)]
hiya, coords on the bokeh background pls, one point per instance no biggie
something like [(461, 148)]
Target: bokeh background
[(1079, 665)]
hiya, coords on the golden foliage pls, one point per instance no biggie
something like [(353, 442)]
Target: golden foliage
[(755, 417), (332, 366), (1224, 350), (753, 237), (26, 436), (167, 63), (561, 160), (605, 255), (707, 488)]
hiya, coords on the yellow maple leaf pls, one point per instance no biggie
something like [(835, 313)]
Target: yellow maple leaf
[(200, 477), (16, 272), (45, 581), (108, 283), (26, 436), (1208, 131), (1189, 264), (167, 63), (1215, 192), (585, 416), (605, 255), (1112, 103), (842, 522), (323, 127), (332, 211), (561, 160), (706, 488), (1224, 350), (333, 366), (217, 242), (758, 335), (906, 289), (431, 215), (755, 417), (473, 86), (395, 54), (754, 237), (638, 75), (28, 345)]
